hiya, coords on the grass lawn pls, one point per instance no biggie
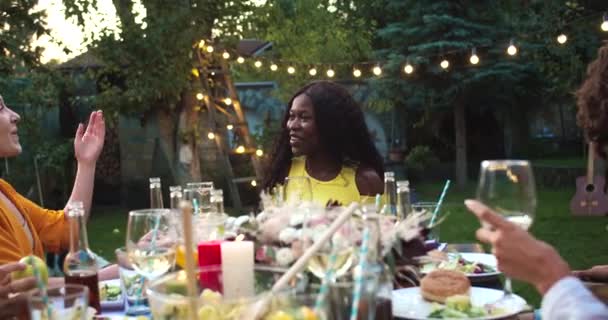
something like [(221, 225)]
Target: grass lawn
[(581, 241)]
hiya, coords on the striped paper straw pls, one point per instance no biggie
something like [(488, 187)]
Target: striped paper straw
[(42, 287), (359, 279), (329, 274), (440, 202)]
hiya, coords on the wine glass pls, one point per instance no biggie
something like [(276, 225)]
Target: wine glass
[(297, 190), (150, 246), (507, 187)]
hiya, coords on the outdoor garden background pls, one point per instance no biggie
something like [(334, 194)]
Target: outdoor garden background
[(431, 124)]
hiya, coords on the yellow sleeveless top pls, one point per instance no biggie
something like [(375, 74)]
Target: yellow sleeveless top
[(343, 188)]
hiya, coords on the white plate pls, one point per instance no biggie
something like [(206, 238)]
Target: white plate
[(409, 304), (111, 304), (484, 258)]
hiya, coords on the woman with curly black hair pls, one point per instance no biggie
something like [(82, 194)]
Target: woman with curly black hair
[(324, 137)]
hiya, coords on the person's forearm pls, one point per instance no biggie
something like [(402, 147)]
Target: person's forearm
[(83, 186)]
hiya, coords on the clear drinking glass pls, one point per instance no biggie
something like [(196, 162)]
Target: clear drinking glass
[(132, 285), (204, 189), (507, 187), (297, 190), (150, 245), (70, 301)]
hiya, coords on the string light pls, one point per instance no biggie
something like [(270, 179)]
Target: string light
[(408, 69), (312, 72), (377, 70), (195, 72), (201, 44), (211, 135), (240, 149), (259, 152), (357, 73), (200, 96), (474, 59), (209, 49), (604, 25), (273, 67), (512, 49), (226, 55), (330, 73), (240, 59), (254, 183), (291, 70), (444, 64), (229, 127), (562, 38), (258, 64), (228, 101)]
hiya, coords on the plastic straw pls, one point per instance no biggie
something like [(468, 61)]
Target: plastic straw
[(329, 274), (440, 202), (188, 251), (195, 205), (359, 278), (44, 295)]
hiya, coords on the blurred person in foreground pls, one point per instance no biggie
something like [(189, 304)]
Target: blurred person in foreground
[(13, 300), (324, 137), (522, 256)]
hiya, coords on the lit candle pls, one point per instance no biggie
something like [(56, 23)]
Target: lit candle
[(210, 257), (237, 269)]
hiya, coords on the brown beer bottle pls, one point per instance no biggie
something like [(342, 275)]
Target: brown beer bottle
[(80, 266)]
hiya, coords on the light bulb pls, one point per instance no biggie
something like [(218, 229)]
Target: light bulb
[(444, 64), (240, 59), (259, 152), (512, 50), (254, 183), (408, 68), (357, 73), (240, 149), (562, 38), (228, 101), (474, 59), (377, 70), (331, 73), (200, 96), (229, 127), (201, 44), (211, 135), (273, 67), (209, 49), (226, 55), (258, 64), (604, 25), (312, 72), (291, 70)]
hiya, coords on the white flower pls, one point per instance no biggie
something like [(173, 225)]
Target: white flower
[(284, 257), (288, 235), (297, 218)]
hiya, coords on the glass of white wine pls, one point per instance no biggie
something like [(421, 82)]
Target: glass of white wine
[(150, 246), (341, 245), (508, 188)]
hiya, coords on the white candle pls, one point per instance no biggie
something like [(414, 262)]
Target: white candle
[(237, 269)]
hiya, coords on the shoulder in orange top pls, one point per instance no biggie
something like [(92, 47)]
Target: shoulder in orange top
[(50, 230)]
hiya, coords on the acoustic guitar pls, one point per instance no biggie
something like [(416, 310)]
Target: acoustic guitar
[(590, 199)]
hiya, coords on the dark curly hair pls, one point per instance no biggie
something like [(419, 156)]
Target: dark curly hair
[(592, 101), (341, 126)]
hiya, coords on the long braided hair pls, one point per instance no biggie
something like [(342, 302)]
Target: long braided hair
[(342, 130)]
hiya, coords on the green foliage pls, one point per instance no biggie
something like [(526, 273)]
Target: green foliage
[(421, 158)]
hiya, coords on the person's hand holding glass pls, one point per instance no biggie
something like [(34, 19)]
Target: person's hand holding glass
[(150, 247), (507, 187)]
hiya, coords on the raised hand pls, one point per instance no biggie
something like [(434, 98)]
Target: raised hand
[(89, 143)]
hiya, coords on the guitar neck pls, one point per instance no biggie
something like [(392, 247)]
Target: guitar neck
[(590, 159)]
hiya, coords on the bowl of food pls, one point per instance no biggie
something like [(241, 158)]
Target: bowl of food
[(228, 293)]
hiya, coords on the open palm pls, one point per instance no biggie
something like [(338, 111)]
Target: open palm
[(89, 143)]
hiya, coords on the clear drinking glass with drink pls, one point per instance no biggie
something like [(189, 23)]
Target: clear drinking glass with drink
[(150, 245), (132, 285), (69, 301), (508, 188), (204, 189)]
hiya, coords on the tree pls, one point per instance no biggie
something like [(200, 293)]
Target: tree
[(148, 67), (424, 34)]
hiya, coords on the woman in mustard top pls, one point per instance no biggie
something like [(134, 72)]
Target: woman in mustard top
[(26, 228), (324, 137)]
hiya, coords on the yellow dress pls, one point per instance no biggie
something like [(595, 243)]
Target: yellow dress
[(343, 188)]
